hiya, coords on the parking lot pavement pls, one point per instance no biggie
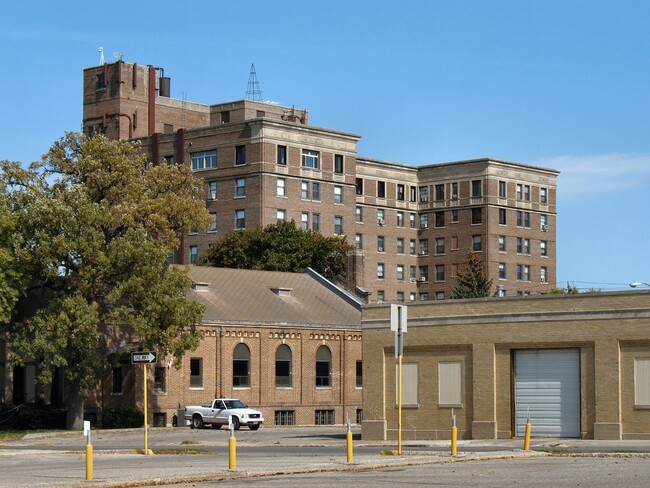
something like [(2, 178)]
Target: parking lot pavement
[(60, 460)]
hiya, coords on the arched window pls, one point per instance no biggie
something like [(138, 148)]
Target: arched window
[(241, 366), (283, 366), (323, 366)]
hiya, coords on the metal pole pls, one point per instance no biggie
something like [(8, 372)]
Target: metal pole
[(527, 433), (232, 446), (349, 442), (89, 459), (454, 434), (146, 416), (399, 402)]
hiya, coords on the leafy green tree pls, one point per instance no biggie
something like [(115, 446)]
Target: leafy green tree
[(11, 278), (279, 247), (473, 279), (92, 227)]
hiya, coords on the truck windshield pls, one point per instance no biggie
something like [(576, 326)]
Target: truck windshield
[(234, 404)]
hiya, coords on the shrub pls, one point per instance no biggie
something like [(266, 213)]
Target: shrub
[(33, 416), (122, 418)]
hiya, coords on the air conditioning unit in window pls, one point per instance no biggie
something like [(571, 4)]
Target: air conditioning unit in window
[(413, 280), (380, 249), (381, 221), (544, 228), (424, 226), (423, 253), (212, 196), (423, 279), (424, 199)]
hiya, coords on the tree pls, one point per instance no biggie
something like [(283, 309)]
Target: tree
[(11, 278), (92, 227), (279, 247), (473, 279)]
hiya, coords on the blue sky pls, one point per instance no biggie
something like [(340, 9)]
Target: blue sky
[(562, 84)]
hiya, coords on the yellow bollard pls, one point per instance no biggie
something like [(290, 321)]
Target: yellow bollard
[(349, 444), (89, 462), (232, 453), (454, 440), (527, 437)]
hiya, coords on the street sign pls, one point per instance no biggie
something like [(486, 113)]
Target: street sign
[(398, 317), (141, 357)]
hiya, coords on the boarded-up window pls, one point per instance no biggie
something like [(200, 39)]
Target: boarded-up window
[(642, 382), (409, 385), (450, 384)]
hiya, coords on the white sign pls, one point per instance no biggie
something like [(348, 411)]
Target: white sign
[(143, 357), (398, 316), (86, 427)]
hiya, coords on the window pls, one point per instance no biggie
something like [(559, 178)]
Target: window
[(338, 225), (477, 243), (400, 245), (477, 188), (281, 157), (169, 160), (315, 222), (304, 221), (315, 191), (543, 274), (240, 219), (413, 194), (380, 271), (381, 217), (281, 215), (285, 417), (502, 243), (440, 272), (359, 186), (381, 296), (543, 221), (424, 273), (400, 272), (526, 246), (527, 193), (400, 219), (204, 160), (450, 384), (424, 193), (240, 154), (358, 242), (543, 196), (502, 271), (519, 191), (400, 296), (523, 272), (240, 187), (194, 254), (454, 216), (323, 366), (310, 159), (117, 381), (523, 218), (424, 221), (409, 384), (412, 273), (212, 190), (411, 247), (338, 163), (412, 223), (101, 82), (281, 189), (642, 382), (241, 366), (196, 373), (324, 417), (440, 245), (212, 227), (502, 189), (440, 219), (502, 216), (359, 374), (283, 366), (477, 215), (440, 192), (359, 214), (381, 189), (381, 241), (159, 383), (424, 247), (304, 190), (400, 193), (424, 296), (542, 248), (338, 194)]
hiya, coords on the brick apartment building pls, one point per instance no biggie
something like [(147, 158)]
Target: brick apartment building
[(262, 163)]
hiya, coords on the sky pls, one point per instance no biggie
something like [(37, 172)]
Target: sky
[(563, 84)]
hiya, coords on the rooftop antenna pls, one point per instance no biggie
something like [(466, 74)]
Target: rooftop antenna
[(101, 56), (118, 55), (253, 92)]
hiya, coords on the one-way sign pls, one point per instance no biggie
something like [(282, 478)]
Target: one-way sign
[(141, 357)]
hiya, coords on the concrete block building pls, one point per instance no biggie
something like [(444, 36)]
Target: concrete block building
[(261, 163), (579, 365)]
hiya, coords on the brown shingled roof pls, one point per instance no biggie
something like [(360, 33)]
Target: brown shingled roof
[(248, 296)]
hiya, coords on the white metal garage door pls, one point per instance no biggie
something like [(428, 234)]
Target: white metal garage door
[(547, 384)]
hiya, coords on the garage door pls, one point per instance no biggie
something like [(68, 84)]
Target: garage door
[(547, 384)]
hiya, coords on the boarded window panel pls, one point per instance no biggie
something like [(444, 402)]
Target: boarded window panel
[(642, 382), (450, 384), (409, 384)]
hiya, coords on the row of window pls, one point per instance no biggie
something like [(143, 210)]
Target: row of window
[(208, 159), (524, 272), (321, 417), (401, 297)]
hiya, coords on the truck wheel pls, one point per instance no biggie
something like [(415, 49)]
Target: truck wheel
[(216, 426), (235, 423), (254, 426), (197, 422)]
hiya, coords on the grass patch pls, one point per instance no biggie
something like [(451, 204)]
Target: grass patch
[(188, 443), (15, 435), (181, 451)]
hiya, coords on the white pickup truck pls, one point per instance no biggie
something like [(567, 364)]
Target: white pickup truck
[(217, 413)]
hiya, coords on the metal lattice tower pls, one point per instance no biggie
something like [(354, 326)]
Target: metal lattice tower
[(253, 92)]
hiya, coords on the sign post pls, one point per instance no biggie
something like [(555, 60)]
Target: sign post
[(144, 358), (398, 319)]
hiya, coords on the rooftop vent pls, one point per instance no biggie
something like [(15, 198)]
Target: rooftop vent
[(282, 292), (200, 286)]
